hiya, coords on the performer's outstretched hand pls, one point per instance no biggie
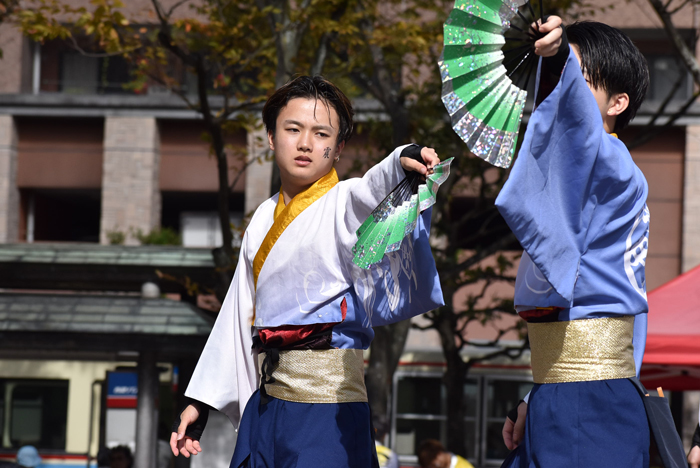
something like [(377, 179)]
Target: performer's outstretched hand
[(513, 431), (430, 157), (181, 444), (694, 457), (549, 44)]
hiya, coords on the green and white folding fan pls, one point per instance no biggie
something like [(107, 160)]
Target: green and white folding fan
[(397, 215), (485, 73)]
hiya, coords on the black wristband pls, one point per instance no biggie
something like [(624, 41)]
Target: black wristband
[(696, 436), (412, 151), (513, 414), (196, 429), (552, 68)]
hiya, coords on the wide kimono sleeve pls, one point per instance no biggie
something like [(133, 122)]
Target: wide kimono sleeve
[(372, 188), (406, 282), (226, 374), (568, 181)]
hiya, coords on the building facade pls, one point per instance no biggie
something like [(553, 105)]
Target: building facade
[(84, 162)]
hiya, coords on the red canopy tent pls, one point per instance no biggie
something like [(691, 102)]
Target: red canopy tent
[(672, 356)]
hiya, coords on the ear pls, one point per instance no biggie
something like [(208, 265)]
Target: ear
[(271, 140), (617, 104), (338, 150)]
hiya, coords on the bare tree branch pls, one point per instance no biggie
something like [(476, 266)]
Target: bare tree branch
[(242, 171), (644, 137), (678, 42), (497, 246), (85, 53), (175, 7)]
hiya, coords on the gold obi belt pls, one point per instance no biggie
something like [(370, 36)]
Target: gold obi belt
[(582, 350), (318, 376)]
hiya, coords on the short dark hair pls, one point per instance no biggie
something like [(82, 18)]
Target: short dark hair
[(428, 450), (310, 87), (612, 62)]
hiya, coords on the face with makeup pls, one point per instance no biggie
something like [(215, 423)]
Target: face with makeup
[(305, 143)]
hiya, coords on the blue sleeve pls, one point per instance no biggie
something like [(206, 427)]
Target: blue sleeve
[(405, 283), (548, 200)]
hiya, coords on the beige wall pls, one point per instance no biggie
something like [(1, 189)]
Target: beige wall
[(130, 196), (9, 195), (632, 14), (81, 375), (11, 42), (661, 161), (691, 208)]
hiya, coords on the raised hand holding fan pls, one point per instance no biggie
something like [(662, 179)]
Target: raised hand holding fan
[(486, 66), (397, 215)]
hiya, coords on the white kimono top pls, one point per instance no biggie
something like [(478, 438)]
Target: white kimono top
[(302, 260)]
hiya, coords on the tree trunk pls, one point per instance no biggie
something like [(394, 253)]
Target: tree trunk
[(389, 340), (386, 351), (223, 256), (455, 378)]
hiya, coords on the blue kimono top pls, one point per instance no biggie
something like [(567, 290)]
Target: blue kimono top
[(576, 201)]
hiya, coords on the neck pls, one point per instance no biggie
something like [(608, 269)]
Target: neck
[(609, 123), (291, 190)]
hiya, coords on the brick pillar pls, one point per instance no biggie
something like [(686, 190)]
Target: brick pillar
[(258, 174), (691, 199), (130, 183), (11, 63), (9, 195)]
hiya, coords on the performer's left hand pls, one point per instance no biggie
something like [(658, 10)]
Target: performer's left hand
[(181, 444), (430, 157), (513, 431), (694, 457)]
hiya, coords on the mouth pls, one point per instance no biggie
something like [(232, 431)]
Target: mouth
[(302, 160)]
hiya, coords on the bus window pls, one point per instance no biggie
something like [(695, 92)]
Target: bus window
[(34, 412)]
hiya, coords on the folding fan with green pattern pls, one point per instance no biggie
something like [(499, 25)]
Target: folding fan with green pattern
[(477, 66), (397, 215)]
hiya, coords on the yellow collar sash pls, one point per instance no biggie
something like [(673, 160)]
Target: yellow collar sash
[(284, 215)]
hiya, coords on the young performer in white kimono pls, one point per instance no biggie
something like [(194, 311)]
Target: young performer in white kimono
[(299, 313), (577, 203)]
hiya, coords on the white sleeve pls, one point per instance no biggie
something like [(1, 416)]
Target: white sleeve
[(227, 373), (372, 188)]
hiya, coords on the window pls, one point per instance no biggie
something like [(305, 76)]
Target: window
[(501, 395), (664, 71), (65, 70), (194, 216), (421, 412), (33, 412), (68, 215)]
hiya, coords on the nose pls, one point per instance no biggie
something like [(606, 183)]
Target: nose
[(304, 143)]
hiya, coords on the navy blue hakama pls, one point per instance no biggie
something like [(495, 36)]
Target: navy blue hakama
[(284, 434), (599, 424)]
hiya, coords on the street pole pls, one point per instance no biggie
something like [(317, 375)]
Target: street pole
[(146, 413)]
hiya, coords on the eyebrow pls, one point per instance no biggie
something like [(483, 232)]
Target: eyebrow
[(315, 127)]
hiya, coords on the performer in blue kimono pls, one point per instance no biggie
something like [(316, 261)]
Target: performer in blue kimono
[(577, 203), (284, 360)]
